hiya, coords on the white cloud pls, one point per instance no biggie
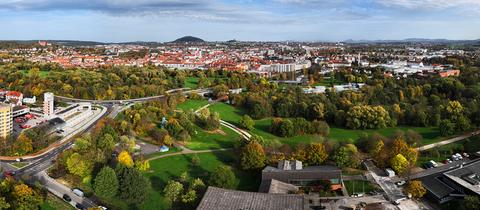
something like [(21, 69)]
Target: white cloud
[(430, 4)]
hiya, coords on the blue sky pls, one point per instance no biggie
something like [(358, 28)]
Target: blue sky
[(218, 20)]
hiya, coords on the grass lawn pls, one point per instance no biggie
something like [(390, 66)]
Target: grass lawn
[(202, 140), (54, 203), (232, 114), (165, 169), (358, 186), (19, 164), (192, 104), (191, 82), (42, 74), (429, 134)]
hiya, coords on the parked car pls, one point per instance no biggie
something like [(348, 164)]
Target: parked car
[(465, 155), (79, 206), (400, 183), (433, 163), (66, 198)]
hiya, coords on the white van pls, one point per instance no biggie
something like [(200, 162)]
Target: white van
[(78, 192)]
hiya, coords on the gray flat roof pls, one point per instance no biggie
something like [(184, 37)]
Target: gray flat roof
[(223, 199)]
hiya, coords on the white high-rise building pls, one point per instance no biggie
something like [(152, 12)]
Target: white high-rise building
[(6, 120), (48, 104)]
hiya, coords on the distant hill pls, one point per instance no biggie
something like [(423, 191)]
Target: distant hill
[(189, 39)]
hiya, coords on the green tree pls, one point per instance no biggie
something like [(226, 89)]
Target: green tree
[(173, 190), (3, 203), (247, 122), (252, 156), (134, 186), (222, 177), (367, 117), (106, 183), (316, 154), (78, 165), (344, 157), (189, 197), (399, 163)]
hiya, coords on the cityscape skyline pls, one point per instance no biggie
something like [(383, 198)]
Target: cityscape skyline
[(246, 20)]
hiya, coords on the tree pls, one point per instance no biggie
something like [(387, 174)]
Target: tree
[(247, 122), (134, 186), (23, 145), (173, 190), (415, 189), (106, 142), (446, 127), (125, 159), (316, 154), (320, 127), (106, 183), (252, 156), (3, 203), (189, 197), (78, 165), (222, 177), (25, 198), (399, 163), (367, 117), (471, 202), (142, 165), (344, 157)]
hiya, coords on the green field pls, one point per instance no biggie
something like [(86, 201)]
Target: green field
[(19, 165), (357, 186), (191, 82), (42, 74), (429, 134), (192, 104), (170, 168), (203, 140), (233, 115)]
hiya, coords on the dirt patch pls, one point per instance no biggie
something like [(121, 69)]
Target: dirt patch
[(218, 131)]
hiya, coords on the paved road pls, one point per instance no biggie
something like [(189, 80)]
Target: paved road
[(59, 190), (150, 98)]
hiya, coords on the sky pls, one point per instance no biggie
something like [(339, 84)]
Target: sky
[(246, 20)]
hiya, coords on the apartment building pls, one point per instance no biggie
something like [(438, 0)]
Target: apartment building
[(6, 124)]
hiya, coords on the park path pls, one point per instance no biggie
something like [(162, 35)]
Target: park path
[(448, 141), (244, 134), (188, 151)]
